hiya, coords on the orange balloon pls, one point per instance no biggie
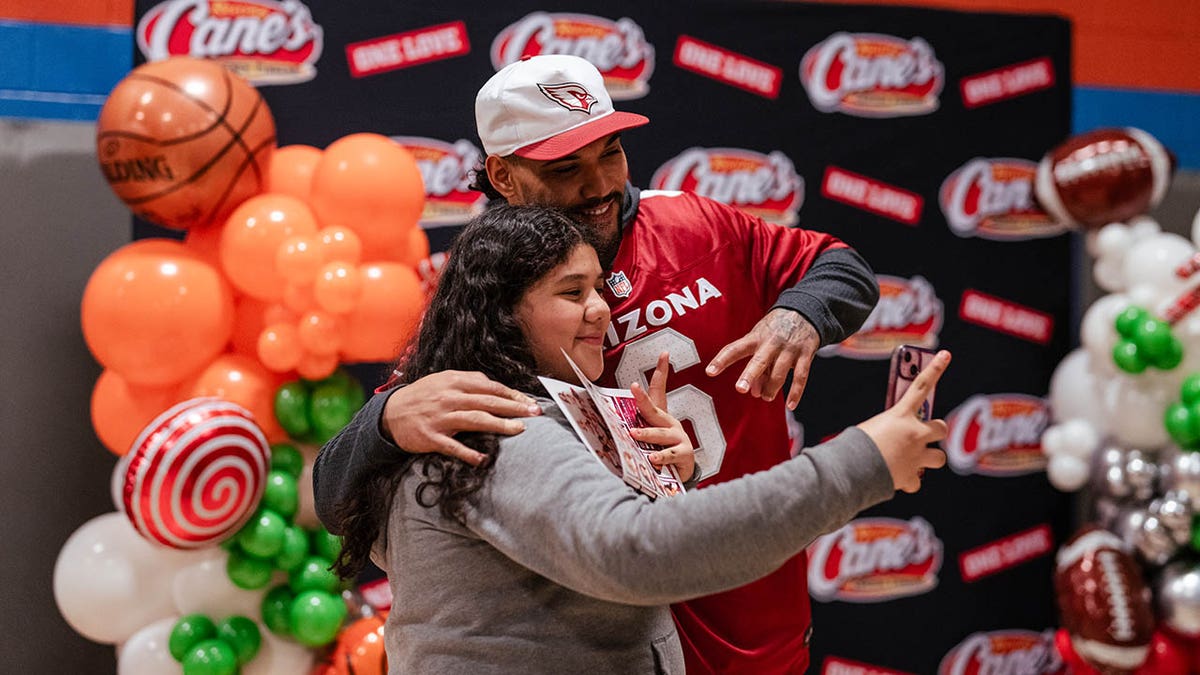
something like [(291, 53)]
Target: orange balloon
[(244, 381), (298, 299), (418, 248), (338, 287), (292, 170), (205, 241), (120, 411), (314, 367), (251, 239), (155, 312), (339, 243), (371, 185), (386, 315), (279, 347), (359, 650), (279, 314), (319, 332), (248, 323), (183, 141), (298, 260)]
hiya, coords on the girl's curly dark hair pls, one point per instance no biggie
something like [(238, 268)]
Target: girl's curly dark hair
[(470, 324)]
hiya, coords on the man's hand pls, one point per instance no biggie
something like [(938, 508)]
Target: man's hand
[(902, 437), (782, 340), (425, 415)]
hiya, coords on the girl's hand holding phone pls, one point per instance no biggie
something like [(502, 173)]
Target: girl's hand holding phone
[(902, 436)]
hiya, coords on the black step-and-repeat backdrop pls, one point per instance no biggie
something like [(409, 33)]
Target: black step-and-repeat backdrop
[(911, 134)]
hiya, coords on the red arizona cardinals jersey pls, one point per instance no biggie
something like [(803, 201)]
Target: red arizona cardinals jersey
[(691, 276)]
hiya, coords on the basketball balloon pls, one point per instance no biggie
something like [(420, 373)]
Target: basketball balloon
[(183, 141)]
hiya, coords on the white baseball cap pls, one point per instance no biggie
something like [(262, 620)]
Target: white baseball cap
[(546, 107)]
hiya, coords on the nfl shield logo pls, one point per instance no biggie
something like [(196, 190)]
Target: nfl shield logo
[(619, 284)]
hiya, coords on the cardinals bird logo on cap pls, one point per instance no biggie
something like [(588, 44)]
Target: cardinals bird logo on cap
[(570, 95)]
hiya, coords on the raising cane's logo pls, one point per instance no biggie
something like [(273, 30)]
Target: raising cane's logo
[(447, 170), (766, 186), (908, 313), (997, 435), (872, 75), (992, 198), (618, 48), (1003, 652), (263, 41), (875, 559)]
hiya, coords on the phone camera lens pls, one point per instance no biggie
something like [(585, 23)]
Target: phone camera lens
[(913, 370)]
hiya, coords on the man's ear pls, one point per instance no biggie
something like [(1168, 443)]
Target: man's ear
[(500, 174)]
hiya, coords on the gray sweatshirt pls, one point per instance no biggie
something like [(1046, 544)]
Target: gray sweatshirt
[(563, 568)]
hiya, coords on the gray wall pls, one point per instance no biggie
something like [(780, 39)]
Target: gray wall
[(59, 222)]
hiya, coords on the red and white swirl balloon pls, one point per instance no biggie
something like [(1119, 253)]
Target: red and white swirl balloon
[(195, 475)]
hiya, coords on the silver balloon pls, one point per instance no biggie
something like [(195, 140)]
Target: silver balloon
[(1182, 472), (1174, 509), (1105, 512), (1177, 596), (1155, 542), (1113, 483), (1129, 525), (1140, 474)]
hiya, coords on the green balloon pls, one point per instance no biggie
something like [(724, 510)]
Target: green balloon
[(1153, 338), (276, 610), (282, 494), (1189, 391), (1128, 357), (1171, 357), (291, 409), (1182, 424), (247, 572), (316, 617), (262, 537), (1195, 535), (325, 544), (340, 378), (189, 631), (313, 575), (1129, 319), (295, 548), (330, 409), (211, 657), (285, 457), (242, 634)]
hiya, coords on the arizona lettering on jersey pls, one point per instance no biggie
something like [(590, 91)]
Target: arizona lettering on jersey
[(701, 274)]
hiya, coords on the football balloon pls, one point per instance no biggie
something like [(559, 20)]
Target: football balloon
[(1103, 176), (1104, 601)]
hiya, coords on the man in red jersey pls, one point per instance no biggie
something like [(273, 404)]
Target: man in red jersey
[(686, 275)]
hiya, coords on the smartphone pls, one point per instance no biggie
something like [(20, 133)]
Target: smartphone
[(907, 362)]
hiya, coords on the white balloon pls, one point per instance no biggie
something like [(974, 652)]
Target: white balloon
[(146, 652), (1153, 261), (277, 656), (1145, 295), (1112, 240), (1079, 439), (204, 588), (1075, 391), (109, 582), (1142, 227), (1067, 473), (1109, 274), (1098, 333), (1052, 440), (1135, 412), (1196, 229)]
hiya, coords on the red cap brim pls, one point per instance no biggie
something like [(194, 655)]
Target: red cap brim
[(570, 141)]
